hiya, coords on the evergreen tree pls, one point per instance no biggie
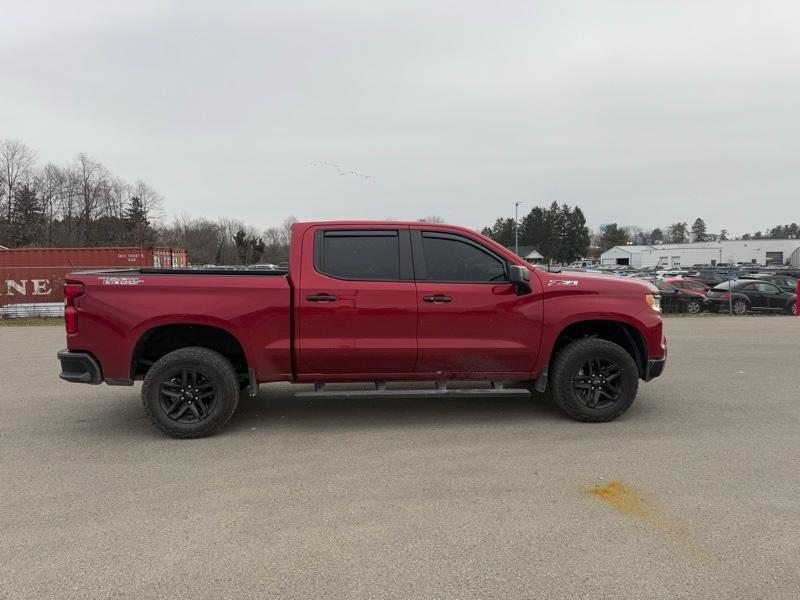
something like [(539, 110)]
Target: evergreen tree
[(699, 230), (242, 243), (575, 240), (257, 247), (613, 236), (723, 235), (657, 235), (137, 226), (27, 218), (502, 232), (678, 233)]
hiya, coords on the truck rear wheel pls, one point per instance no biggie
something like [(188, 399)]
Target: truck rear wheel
[(594, 380), (191, 392)]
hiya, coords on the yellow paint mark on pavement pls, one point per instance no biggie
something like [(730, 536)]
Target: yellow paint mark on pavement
[(628, 501)]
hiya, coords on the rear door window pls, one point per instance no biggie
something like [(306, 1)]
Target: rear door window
[(359, 255)]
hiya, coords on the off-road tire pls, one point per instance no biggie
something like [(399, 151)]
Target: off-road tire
[(214, 368), (571, 359)]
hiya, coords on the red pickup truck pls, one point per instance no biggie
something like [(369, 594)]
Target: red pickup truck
[(370, 302)]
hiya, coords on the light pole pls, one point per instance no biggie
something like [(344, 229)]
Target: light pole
[(516, 227)]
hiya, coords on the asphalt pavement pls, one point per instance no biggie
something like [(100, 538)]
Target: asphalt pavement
[(694, 493)]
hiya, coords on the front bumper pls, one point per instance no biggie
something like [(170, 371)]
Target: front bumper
[(79, 367), (655, 367)]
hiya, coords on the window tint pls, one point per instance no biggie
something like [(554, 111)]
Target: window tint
[(766, 288), (448, 258), (370, 257), (666, 288)]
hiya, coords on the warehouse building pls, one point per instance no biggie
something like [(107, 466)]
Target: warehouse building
[(760, 252)]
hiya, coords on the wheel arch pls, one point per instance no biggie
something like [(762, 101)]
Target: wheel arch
[(163, 339), (621, 333)]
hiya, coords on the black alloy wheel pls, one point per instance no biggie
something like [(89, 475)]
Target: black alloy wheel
[(191, 392), (597, 384), (593, 380), (188, 396)]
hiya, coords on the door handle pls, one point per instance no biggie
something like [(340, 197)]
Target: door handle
[(437, 298), (321, 298)]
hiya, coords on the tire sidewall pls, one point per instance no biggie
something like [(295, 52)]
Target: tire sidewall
[(215, 368), (572, 358)]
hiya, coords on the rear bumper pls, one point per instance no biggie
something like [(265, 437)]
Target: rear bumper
[(79, 367)]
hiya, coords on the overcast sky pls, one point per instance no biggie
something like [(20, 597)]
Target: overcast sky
[(641, 112)]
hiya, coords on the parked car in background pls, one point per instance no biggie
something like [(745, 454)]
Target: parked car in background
[(690, 286), (745, 295), (670, 273), (786, 283), (678, 300)]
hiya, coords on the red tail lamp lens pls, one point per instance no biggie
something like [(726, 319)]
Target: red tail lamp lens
[(71, 291)]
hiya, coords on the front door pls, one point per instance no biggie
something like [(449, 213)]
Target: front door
[(758, 299), (357, 302), (776, 299), (471, 322)]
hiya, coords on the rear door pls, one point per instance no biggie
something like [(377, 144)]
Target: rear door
[(357, 302), (471, 322)]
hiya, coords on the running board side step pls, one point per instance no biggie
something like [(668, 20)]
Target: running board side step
[(440, 391)]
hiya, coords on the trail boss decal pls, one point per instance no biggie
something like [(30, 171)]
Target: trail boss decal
[(562, 283), (121, 280)]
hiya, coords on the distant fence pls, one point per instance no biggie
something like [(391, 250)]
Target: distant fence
[(31, 309)]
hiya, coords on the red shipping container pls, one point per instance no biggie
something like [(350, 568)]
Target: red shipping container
[(37, 274)]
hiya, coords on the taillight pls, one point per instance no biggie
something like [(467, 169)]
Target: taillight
[(71, 291)]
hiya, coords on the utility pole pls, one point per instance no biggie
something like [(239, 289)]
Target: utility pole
[(516, 227)]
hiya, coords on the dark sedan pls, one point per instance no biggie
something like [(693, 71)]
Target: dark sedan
[(746, 295), (786, 283), (677, 300)]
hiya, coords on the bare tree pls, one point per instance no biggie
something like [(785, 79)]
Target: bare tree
[(49, 185), (16, 163), (94, 183), (151, 200), (431, 219)]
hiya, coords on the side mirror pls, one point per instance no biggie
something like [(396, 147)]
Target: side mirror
[(521, 278)]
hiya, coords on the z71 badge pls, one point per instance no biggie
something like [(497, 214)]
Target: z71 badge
[(121, 280), (562, 283)]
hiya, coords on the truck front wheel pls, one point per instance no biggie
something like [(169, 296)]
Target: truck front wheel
[(191, 392), (594, 380)]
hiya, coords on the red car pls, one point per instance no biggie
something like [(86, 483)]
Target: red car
[(690, 286), (364, 302)]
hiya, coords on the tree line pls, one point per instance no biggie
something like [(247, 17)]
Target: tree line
[(78, 204), (680, 233), (83, 204), (558, 232)]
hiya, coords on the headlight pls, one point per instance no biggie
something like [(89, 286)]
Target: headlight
[(653, 301)]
